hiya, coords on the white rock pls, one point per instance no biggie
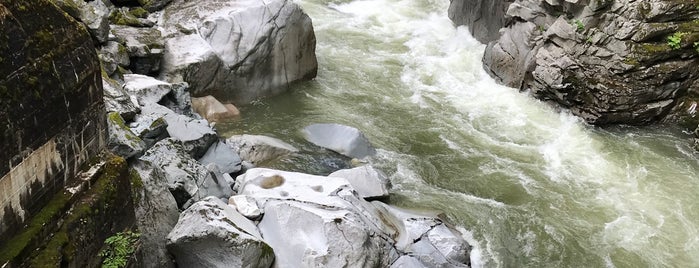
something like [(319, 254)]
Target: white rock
[(258, 149), (212, 234), (238, 50), (314, 221), (245, 205), (343, 139), (369, 182), (146, 89)]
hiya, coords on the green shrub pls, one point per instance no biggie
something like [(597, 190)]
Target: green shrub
[(118, 248), (579, 26), (675, 40)]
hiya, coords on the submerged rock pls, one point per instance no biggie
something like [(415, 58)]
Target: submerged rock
[(212, 234), (213, 110), (258, 149), (238, 51), (343, 139)]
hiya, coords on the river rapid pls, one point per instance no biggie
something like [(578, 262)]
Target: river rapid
[(530, 186)]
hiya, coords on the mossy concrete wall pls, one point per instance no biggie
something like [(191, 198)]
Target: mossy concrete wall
[(52, 117)]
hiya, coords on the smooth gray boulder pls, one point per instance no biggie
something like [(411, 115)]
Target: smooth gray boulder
[(369, 182), (238, 50), (258, 149), (342, 139), (315, 221), (144, 45), (222, 156), (188, 180), (156, 214), (212, 234), (121, 141)]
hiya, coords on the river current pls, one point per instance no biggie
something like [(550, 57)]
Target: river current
[(529, 186)]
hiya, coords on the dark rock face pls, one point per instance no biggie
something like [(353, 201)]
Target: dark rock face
[(51, 106), (484, 18), (609, 62)]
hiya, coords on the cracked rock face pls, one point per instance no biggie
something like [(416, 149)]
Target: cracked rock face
[(609, 62), (238, 50)]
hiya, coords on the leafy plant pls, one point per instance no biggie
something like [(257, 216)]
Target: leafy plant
[(579, 26), (118, 249), (675, 40), (696, 46)]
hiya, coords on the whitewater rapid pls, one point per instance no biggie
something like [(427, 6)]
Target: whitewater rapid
[(529, 185)]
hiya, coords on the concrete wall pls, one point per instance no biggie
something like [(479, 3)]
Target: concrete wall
[(52, 117)]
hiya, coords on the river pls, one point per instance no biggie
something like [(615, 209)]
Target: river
[(530, 186)]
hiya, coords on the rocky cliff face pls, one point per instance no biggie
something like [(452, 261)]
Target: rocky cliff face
[(484, 18), (609, 62), (51, 109)]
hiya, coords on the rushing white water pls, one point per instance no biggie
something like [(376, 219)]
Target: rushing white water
[(528, 185)]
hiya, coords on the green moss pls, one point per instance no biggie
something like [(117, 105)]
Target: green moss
[(41, 220), (157, 123), (120, 18), (139, 12), (136, 186)]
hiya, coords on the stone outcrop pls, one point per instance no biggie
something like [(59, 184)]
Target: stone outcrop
[(609, 62), (51, 107), (484, 18), (237, 50)]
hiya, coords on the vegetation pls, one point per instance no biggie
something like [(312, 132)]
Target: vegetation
[(696, 46), (675, 40), (579, 26), (118, 249)]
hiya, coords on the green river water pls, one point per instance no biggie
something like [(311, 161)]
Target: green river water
[(528, 185)]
